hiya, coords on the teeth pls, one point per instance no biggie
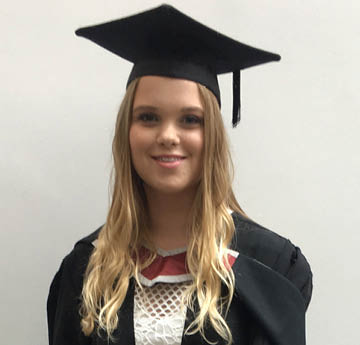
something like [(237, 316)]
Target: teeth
[(168, 159)]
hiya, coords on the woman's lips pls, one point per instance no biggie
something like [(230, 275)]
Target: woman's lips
[(169, 161)]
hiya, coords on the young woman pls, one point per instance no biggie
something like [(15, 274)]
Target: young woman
[(177, 261)]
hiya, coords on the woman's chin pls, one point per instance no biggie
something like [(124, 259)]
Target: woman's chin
[(169, 188)]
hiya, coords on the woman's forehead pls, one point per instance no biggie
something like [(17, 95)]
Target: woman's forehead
[(158, 91)]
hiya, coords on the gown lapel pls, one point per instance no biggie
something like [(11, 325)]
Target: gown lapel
[(196, 338), (124, 333), (274, 302)]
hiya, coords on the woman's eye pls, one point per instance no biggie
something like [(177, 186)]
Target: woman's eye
[(192, 120), (147, 117)]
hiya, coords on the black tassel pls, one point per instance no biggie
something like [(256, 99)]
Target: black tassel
[(236, 98)]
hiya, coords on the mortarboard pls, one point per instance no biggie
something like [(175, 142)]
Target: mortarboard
[(164, 41)]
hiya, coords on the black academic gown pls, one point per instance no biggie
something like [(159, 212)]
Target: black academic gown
[(273, 287)]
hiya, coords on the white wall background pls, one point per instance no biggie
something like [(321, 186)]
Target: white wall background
[(297, 147)]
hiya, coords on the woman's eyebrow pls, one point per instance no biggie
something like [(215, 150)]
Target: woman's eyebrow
[(145, 108), (152, 108), (190, 109)]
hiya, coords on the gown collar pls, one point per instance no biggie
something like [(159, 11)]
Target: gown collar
[(170, 266)]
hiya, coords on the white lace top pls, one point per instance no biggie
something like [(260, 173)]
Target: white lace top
[(158, 314)]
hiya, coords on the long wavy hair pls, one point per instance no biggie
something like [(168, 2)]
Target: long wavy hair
[(116, 258)]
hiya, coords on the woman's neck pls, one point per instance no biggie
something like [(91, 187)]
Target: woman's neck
[(169, 216)]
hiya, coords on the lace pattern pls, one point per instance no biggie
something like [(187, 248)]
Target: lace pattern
[(159, 315)]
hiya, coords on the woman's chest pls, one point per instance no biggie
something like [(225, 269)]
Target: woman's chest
[(159, 314), (156, 318)]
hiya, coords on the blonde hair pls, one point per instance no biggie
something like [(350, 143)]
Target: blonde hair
[(115, 259)]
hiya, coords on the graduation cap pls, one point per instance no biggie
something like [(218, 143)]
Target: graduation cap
[(164, 41)]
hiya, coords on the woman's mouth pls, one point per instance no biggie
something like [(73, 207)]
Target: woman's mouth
[(169, 161)]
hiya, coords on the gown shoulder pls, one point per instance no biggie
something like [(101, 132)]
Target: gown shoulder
[(274, 251), (64, 295)]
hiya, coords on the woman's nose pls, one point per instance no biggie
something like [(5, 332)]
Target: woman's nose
[(168, 135)]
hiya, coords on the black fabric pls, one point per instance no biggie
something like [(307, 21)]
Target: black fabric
[(168, 35), (236, 99), (273, 283), (64, 298)]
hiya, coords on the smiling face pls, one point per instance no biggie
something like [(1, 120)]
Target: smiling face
[(167, 134)]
